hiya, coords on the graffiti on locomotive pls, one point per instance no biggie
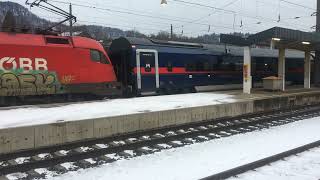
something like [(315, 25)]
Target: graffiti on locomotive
[(26, 76)]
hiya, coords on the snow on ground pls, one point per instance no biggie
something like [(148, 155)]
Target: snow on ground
[(205, 159), (37, 115), (305, 166)]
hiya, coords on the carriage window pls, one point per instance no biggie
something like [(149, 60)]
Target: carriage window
[(215, 64), (199, 66), (207, 66), (228, 63), (238, 63), (190, 67), (169, 67)]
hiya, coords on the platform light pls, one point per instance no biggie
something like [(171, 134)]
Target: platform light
[(276, 39), (164, 2), (306, 43)]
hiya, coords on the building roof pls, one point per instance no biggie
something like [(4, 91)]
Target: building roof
[(285, 38)]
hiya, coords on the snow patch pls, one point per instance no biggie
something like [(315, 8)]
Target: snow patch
[(113, 156), (63, 152), (86, 149), (166, 146), (130, 152), (107, 108), (16, 176), (22, 160), (46, 172), (68, 165), (44, 155), (91, 161), (102, 146)]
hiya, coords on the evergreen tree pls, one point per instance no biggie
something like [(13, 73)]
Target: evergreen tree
[(9, 23)]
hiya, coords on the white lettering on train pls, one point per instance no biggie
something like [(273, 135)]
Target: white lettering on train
[(41, 64), (8, 60), (11, 63), (26, 64)]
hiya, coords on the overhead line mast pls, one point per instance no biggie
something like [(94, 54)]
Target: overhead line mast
[(43, 4), (317, 53)]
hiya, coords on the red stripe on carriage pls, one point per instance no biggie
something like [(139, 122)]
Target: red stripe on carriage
[(181, 70)]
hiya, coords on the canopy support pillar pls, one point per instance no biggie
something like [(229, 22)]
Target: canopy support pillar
[(307, 70), (247, 79), (282, 67)]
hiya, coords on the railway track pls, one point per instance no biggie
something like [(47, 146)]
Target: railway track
[(262, 162), (56, 160)]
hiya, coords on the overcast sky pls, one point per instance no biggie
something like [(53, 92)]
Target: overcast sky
[(148, 16)]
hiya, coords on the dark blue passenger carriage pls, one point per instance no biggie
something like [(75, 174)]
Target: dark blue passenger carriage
[(147, 66)]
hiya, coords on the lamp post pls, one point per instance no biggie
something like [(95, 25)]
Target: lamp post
[(164, 2)]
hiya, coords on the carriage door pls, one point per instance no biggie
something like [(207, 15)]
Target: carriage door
[(147, 70)]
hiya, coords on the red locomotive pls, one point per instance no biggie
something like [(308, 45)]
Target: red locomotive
[(41, 65)]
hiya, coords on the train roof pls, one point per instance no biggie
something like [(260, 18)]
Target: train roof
[(194, 48), (44, 40), (161, 46)]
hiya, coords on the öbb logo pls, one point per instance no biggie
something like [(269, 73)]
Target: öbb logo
[(11, 63)]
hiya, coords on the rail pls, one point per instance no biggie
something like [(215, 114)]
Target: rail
[(262, 162)]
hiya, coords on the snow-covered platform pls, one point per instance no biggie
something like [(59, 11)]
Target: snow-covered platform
[(33, 127)]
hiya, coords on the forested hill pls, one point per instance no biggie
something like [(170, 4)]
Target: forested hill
[(24, 18)]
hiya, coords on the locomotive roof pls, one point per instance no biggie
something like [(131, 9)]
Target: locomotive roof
[(195, 48), (42, 40)]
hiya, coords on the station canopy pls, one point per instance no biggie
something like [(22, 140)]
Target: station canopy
[(280, 37)]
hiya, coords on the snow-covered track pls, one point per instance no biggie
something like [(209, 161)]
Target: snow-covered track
[(262, 162), (31, 164)]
